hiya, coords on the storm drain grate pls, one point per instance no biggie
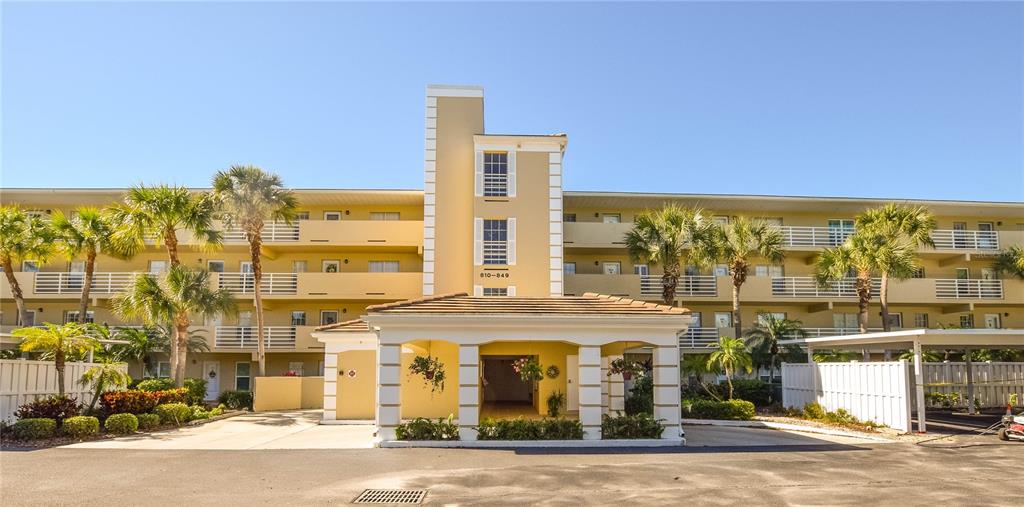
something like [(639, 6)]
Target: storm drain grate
[(391, 496)]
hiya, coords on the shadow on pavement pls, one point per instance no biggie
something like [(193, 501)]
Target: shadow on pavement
[(688, 450)]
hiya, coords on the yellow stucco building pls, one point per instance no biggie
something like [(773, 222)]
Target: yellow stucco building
[(493, 221)]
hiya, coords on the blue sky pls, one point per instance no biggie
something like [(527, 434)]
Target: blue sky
[(918, 100)]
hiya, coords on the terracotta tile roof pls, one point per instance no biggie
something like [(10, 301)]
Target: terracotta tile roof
[(349, 326), (587, 304)]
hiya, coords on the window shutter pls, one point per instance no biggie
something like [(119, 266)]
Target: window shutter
[(478, 290), (479, 171), (511, 290), (478, 242), (512, 173), (511, 245)]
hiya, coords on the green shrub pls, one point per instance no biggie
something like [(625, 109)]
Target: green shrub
[(81, 426), (199, 412), (155, 384), (136, 401), (176, 413), (236, 400), (148, 421), (755, 391), (530, 429), (641, 396), (556, 400), (122, 424), (630, 426), (54, 407), (814, 411), (34, 428), (196, 391), (425, 429), (732, 410)]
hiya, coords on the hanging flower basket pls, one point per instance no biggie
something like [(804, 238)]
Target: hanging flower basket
[(431, 370), (626, 368), (528, 368)]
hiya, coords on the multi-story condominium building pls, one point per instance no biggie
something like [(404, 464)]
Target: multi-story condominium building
[(493, 220)]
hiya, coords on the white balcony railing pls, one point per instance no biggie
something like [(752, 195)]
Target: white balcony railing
[(968, 289), (272, 284), (965, 240), (796, 236), (272, 232), (796, 287), (72, 283), (699, 337), (245, 337), (814, 332), (650, 285)]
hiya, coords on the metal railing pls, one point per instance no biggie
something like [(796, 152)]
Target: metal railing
[(72, 283), (495, 252), (272, 284), (495, 185), (699, 337), (798, 236), (968, 289), (814, 332), (272, 232), (245, 337), (650, 285), (965, 240), (796, 287)]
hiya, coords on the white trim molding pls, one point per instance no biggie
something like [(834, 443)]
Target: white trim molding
[(438, 90), (429, 181), (555, 223)]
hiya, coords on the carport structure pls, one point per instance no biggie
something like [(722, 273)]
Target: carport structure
[(918, 340)]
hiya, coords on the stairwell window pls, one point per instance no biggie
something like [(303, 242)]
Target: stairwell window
[(242, 376), (383, 266), (921, 320), (495, 291), (495, 174), (299, 318), (385, 215), (496, 242), (72, 316)]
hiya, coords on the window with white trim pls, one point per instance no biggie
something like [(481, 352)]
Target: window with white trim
[(921, 320), (896, 320), (569, 268), (299, 318), (332, 215), (495, 242), (328, 317), (215, 266), (163, 369), (773, 271), (383, 266), (385, 215), (72, 316), (495, 291), (302, 215), (495, 174), (243, 375), (30, 316)]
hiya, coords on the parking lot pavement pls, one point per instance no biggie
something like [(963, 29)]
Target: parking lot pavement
[(725, 436), (264, 430)]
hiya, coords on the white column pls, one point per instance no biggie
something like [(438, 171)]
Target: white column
[(605, 379), (969, 366), (666, 389), (590, 391), (389, 390), (919, 388), (330, 383), (469, 391), (616, 390)]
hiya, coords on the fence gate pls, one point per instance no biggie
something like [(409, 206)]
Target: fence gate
[(870, 391)]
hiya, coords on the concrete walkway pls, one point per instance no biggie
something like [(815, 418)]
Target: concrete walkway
[(265, 430), (728, 436)]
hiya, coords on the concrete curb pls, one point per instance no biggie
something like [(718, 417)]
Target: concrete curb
[(512, 444), (225, 415), (783, 426)]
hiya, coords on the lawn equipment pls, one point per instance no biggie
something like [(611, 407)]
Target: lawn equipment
[(1013, 428)]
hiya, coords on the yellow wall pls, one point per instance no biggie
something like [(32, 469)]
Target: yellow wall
[(548, 354), (417, 399), (287, 393), (357, 395)]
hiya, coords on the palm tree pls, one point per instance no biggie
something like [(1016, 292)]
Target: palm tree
[(143, 343), (730, 354), (88, 232), (664, 236), (159, 212), (1010, 261), (247, 197), (174, 298), (765, 336), (735, 243), (61, 341), (897, 223), (22, 237), (104, 375), (865, 254)]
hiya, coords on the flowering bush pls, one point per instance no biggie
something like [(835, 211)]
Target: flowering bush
[(57, 408), (528, 369), (291, 373), (134, 401)]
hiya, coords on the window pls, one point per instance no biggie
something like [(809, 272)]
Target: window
[(720, 219), (967, 321), (245, 318), (495, 242), (611, 267), (30, 315), (72, 316), (762, 317), (295, 366), (332, 215), (766, 270), (385, 215), (328, 317), (569, 217), (641, 269), (495, 291), (921, 320), (611, 218), (157, 267), (30, 266), (993, 321), (302, 215), (383, 266), (838, 230), (495, 174), (723, 319), (845, 321), (163, 369), (918, 273), (299, 318), (569, 268), (721, 270), (330, 266), (242, 376), (896, 320), (299, 266), (215, 266)]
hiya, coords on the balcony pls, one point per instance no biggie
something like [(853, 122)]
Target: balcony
[(688, 286), (595, 235), (272, 284), (968, 289), (273, 232), (407, 234), (703, 337), (72, 283), (813, 237), (807, 287), (245, 337), (965, 240), (359, 286)]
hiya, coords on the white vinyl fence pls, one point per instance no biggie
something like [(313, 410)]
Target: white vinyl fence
[(869, 391), (22, 381), (993, 382)]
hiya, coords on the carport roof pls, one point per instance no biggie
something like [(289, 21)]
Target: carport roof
[(927, 338), (349, 326), (587, 304)]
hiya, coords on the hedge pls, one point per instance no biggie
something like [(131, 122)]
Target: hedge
[(640, 425), (177, 413), (734, 410), (148, 421), (155, 384), (81, 426), (530, 429), (135, 401), (34, 428), (122, 424), (236, 400), (425, 429), (54, 407)]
